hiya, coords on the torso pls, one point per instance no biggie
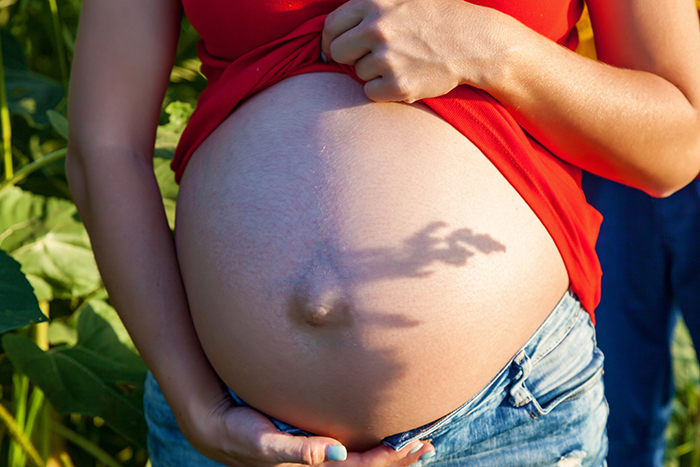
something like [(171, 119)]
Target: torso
[(437, 270)]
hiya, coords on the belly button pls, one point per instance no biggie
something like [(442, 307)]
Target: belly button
[(317, 314), (320, 296), (324, 309)]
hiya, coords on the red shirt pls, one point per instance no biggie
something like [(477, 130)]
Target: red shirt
[(248, 46)]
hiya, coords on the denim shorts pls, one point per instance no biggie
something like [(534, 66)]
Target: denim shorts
[(546, 407)]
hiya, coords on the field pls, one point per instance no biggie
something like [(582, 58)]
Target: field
[(71, 381)]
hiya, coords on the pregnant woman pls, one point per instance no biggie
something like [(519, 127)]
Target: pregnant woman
[(381, 241)]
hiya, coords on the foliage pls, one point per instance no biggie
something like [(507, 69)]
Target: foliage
[(18, 305), (683, 434), (71, 385)]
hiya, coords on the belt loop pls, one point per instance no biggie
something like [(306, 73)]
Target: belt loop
[(519, 394)]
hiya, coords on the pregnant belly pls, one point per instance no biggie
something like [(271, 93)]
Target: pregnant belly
[(353, 268)]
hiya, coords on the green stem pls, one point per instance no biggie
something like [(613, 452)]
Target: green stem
[(45, 434), (695, 462), (20, 390), (85, 444), (28, 169), (36, 402), (66, 460), (19, 437), (5, 122), (39, 406), (59, 43)]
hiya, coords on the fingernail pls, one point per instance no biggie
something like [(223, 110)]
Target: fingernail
[(416, 449), (427, 455), (416, 464), (323, 57), (336, 452)]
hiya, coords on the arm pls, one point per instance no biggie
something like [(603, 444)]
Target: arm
[(633, 117), (123, 57)]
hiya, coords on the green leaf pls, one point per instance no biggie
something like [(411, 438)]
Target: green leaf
[(25, 217), (168, 187), (59, 123), (18, 305), (31, 95), (45, 237), (165, 178), (170, 209), (168, 135), (12, 53), (179, 114), (42, 289), (105, 312), (62, 334), (63, 259), (98, 377)]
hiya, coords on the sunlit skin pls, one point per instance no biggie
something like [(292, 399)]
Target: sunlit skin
[(633, 117), (325, 271)]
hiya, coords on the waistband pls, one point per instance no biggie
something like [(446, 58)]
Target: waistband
[(548, 336), (553, 330)]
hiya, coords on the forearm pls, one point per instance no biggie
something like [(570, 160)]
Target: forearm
[(118, 198), (636, 122), (629, 125)]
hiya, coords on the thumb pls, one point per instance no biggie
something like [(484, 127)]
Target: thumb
[(302, 450)]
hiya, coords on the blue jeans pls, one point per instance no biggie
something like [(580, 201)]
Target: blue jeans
[(649, 250), (544, 408)]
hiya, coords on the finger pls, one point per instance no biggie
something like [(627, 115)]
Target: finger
[(387, 88), (418, 451), (384, 456), (348, 48), (284, 448), (341, 20), (369, 67)]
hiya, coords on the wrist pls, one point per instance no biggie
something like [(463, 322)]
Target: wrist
[(502, 56)]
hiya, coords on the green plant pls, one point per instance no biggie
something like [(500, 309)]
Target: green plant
[(683, 433), (71, 381), (70, 378)]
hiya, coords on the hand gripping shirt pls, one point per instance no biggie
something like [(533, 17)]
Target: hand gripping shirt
[(249, 45)]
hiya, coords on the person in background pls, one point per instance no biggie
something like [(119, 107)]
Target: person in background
[(649, 250)]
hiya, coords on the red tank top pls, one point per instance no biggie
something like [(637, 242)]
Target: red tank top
[(248, 46)]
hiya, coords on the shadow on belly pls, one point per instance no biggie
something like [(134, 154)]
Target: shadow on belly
[(321, 292), (352, 333), (356, 269)]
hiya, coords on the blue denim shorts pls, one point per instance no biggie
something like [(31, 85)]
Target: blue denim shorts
[(544, 408)]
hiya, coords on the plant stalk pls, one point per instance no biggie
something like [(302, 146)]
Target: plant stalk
[(41, 338), (59, 44), (85, 444), (36, 402), (19, 437), (30, 168), (66, 460), (5, 122), (20, 390)]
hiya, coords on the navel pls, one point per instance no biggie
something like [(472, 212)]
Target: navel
[(320, 295), (322, 309)]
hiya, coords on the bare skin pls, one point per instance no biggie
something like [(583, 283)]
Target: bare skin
[(632, 117), (118, 81), (332, 246)]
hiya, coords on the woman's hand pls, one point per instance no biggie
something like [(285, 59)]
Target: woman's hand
[(412, 49), (240, 436)]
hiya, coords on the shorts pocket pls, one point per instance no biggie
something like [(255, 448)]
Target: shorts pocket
[(564, 373), (574, 388)]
